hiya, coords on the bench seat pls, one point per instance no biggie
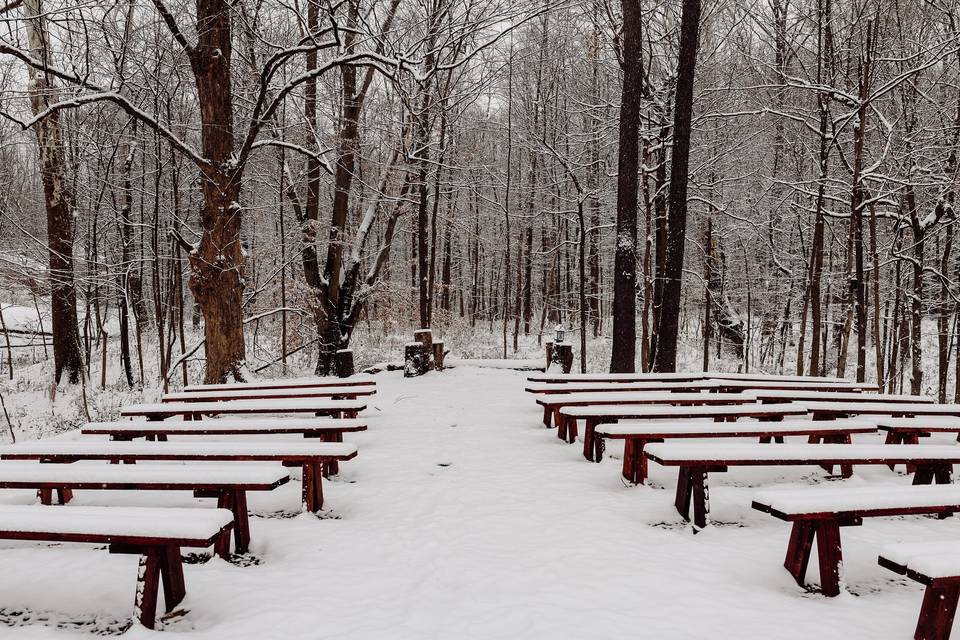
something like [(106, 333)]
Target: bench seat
[(347, 393), (227, 483), (937, 566), (311, 456), (819, 512), (548, 388), (636, 435), (824, 409), (797, 395), (552, 404), (156, 534), (595, 415), (127, 429), (933, 463), (196, 410), (284, 383)]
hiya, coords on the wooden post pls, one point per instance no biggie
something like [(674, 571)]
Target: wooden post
[(562, 357), (438, 354), (548, 348), (343, 363), (416, 359)]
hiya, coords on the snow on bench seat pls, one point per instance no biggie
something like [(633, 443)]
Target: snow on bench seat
[(779, 395), (932, 463), (610, 387), (154, 534), (555, 402), (593, 415), (936, 565), (812, 384), (284, 383), (819, 512), (351, 393), (910, 430), (196, 410), (311, 456), (222, 426), (828, 409), (560, 378), (636, 435)]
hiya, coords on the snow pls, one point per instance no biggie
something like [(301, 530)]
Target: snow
[(710, 429), (146, 522), (931, 423), (664, 411), (185, 474), (837, 499), (931, 559), (193, 448), (284, 383), (611, 387), (801, 453), (530, 364), (227, 425), (839, 396), (266, 394), (245, 406), (465, 518), (652, 397), (883, 408)]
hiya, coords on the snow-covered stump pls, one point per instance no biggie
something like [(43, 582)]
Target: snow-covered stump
[(438, 355), (343, 363), (561, 358), (416, 359), (425, 337)]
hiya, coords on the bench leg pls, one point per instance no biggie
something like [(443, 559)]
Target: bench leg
[(547, 414), (937, 612), (45, 496), (331, 467), (561, 422), (798, 550), (589, 429), (241, 522), (634, 462), (171, 570), (312, 487), (829, 555), (572, 431), (692, 487), (923, 474), (148, 582)]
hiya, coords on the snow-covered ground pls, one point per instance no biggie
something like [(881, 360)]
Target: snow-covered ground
[(463, 517)]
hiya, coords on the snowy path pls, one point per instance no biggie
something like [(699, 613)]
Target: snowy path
[(463, 517)]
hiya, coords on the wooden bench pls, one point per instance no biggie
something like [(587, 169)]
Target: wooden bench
[(819, 512), (933, 463), (284, 383), (636, 435), (910, 430), (229, 484), (324, 429), (156, 535), (595, 415), (935, 565), (696, 375), (550, 388), (196, 410), (311, 456), (828, 410), (814, 395), (553, 404), (795, 385), (340, 393)]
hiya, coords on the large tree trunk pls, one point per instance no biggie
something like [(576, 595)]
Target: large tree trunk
[(623, 357), (217, 278), (665, 358), (58, 198)]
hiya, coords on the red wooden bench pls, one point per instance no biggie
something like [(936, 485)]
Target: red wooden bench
[(819, 512), (229, 484), (196, 410), (311, 456), (937, 566), (910, 430), (828, 410), (156, 535), (342, 393), (553, 404), (595, 415), (812, 384), (696, 375), (636, 435), (933, 463), (549, 388), (284, 383), (815, 395)]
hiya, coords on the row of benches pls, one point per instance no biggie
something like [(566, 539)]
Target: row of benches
[(826, 407), (158, 534)]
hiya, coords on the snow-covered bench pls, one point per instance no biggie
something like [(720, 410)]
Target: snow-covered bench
[(814, 395), (809, 384), (819, 512), (595, 415), (311, 456), (196, 410), (284, 383), (932, 463), (340, 393), (324, 429), (155, 534), (552, 404), (563, 378), (636, 435), (910, 430), (937, 566), (227, 483), (827, 410)]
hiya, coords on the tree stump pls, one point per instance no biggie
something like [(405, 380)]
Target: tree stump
[(343, 363), (548, 348), (416, 359), (425, 337), (561, 357), (438, 354)]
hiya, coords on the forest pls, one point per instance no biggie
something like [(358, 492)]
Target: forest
[(216, 189)]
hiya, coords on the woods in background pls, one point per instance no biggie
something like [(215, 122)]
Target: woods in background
[(773, 182)]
